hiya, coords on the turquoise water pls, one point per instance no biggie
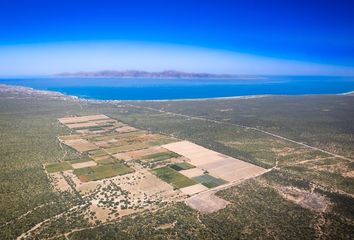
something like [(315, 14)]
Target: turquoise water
[(159, 89)]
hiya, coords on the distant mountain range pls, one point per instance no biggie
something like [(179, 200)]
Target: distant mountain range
[(145, 74)]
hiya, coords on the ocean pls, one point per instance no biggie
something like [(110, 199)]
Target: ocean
[(166, 89)]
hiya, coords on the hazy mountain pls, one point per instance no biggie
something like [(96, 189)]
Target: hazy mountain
[(145, 74)]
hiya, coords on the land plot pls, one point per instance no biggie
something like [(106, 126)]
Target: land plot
[(148, 137), (58, 167), (103, 144), (97, 153), (144, 152), (163, 163), (193, 172), (59, 183), (232, 173), (161, 140), (209, 181), (123, 156), (229, 162), (156, 157), (106, 122), (173, 177), (206, 202), (197, 154), (182, 166), (218, 165), (81, 125), (131, 135), (68, 120), (79, 160), (105, 137), (144, 182), (102, 171), (84, 164), (197, 188), (81, 145), (126, 129), (126, 148), (69, 137), (107, 161), (100, 158)]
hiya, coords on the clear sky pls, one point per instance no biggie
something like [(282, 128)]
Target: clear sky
[(241, 37)]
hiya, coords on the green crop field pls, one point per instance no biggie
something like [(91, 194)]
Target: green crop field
[(173, 177), (182, 166), (209, 181), (97, 153), (102, 171), (159, 156), (107, 161), (58, 167)]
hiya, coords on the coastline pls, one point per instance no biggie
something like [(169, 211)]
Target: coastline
[(351, 93), (55, 94)]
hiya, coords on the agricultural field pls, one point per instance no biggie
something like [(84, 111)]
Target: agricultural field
[(209, 181), (55, 187), (173, 177), (116, 159)]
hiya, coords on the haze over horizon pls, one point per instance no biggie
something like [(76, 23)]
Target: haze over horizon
[(231, 37)]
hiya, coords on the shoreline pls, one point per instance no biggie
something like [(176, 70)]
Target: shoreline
[(351, 93), (29, 90)]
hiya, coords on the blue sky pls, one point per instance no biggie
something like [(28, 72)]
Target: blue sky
[(286, 37)]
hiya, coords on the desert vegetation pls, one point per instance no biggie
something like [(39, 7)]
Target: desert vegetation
[(305, 194)]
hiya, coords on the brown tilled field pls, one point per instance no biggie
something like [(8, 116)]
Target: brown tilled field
[(68, 120), (84, 164), (81, 145)]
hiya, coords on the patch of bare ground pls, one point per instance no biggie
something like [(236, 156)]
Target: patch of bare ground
[(307, 199), (75, 119), (59, 183), (80, 145), (84, 164), (191, 190), (99, 158), (69, 137), (331, 164), (166, 225), (206, 202), (349, 174), (126, 129)]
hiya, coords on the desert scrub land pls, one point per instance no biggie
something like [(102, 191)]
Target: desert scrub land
[(305, 195), (322, 121)]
